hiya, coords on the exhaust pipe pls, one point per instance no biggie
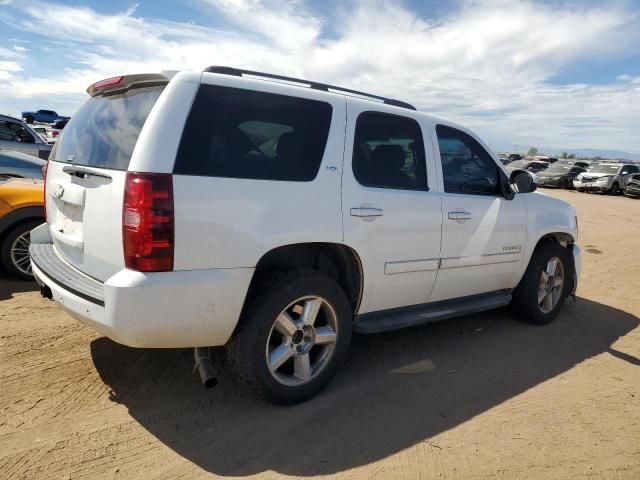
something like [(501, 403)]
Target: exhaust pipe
[(206, 366)]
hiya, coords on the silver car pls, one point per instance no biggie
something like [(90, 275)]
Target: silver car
[(20, 165), (604, 177), (17, 135)]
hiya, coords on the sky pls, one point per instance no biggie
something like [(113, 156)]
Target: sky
[(528, 72)]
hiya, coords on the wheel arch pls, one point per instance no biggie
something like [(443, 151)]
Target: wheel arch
[(17, 217), (335, 260), (563, 238)]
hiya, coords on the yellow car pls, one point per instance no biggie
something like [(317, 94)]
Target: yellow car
[(21, 210)]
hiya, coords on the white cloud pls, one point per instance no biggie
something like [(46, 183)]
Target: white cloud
[(489, 65)]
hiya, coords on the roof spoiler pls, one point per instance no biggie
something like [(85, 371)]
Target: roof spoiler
[(125, 82)]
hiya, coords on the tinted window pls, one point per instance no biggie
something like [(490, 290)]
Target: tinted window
[(15, 132), (246, 134), (603, 168), (466, 166), (388, 152), (104, 131)]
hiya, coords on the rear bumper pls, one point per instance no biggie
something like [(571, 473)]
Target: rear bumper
[(194, 308)]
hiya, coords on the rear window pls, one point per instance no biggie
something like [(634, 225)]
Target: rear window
[(104, 131), (239, 133)]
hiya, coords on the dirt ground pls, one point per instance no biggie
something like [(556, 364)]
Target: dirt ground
[(484, 396)]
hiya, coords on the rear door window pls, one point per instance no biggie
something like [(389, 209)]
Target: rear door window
[(104, 131), (388, 152), (238, 133)]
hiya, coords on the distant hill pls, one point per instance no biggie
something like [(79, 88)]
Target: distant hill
[(580, 152)]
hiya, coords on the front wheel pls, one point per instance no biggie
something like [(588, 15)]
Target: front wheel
[(545, 284), (293, 334), (615, 189)]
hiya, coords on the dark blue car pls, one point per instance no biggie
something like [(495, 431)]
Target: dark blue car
[(44, 116)]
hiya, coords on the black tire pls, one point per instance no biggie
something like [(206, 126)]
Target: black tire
[(615, 189), (29, 119), (580, 190), (7, 243), (525, 303), (270, 294)]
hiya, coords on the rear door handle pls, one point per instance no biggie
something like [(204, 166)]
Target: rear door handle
[(364, 212), (459, 215)]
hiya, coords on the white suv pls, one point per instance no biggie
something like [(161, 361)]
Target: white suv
[(274, 216)]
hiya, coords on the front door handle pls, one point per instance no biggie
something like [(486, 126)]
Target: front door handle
[(365, 212), (459, 215)]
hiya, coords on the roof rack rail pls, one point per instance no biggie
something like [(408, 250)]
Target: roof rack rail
[(223, 70)]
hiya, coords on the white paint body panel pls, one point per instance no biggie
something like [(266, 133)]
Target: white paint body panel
[(396, 247), (483, 253), (162, 310), (230, 223), (85, 219)]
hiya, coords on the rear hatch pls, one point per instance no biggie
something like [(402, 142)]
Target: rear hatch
[(87, 171)]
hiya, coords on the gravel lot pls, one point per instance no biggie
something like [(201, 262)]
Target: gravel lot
[(483, 396)]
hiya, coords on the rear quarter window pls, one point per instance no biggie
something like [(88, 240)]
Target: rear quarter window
[(238, 133)]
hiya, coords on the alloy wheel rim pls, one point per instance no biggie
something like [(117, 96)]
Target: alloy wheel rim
[(302, 341), (551, 285), (20, 253)]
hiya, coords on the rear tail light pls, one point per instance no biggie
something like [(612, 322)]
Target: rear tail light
[(147, 222), (54, 133), (44, 189)]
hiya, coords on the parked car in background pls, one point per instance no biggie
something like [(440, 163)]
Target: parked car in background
[(45, 131), (57, 127), (20, 165), (17, 135), (632, 186), (514, 156), (45, 116), (560, 174), (21, 210), (504, 159), (333, 213), (540, 158), (605, 177), (533, 166)]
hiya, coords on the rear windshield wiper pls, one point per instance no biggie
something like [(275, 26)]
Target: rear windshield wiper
[(82, 172)]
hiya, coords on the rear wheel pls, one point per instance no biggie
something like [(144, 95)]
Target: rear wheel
[(545, 284), (28, 119), (14, 250), (293, 334)]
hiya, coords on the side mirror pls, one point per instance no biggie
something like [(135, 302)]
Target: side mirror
[(522, 181)]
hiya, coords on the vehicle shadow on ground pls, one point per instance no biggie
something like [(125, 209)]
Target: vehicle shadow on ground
[(397, 389), (10, 285)]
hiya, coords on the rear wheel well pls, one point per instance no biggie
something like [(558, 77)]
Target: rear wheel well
[(337, 261)]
